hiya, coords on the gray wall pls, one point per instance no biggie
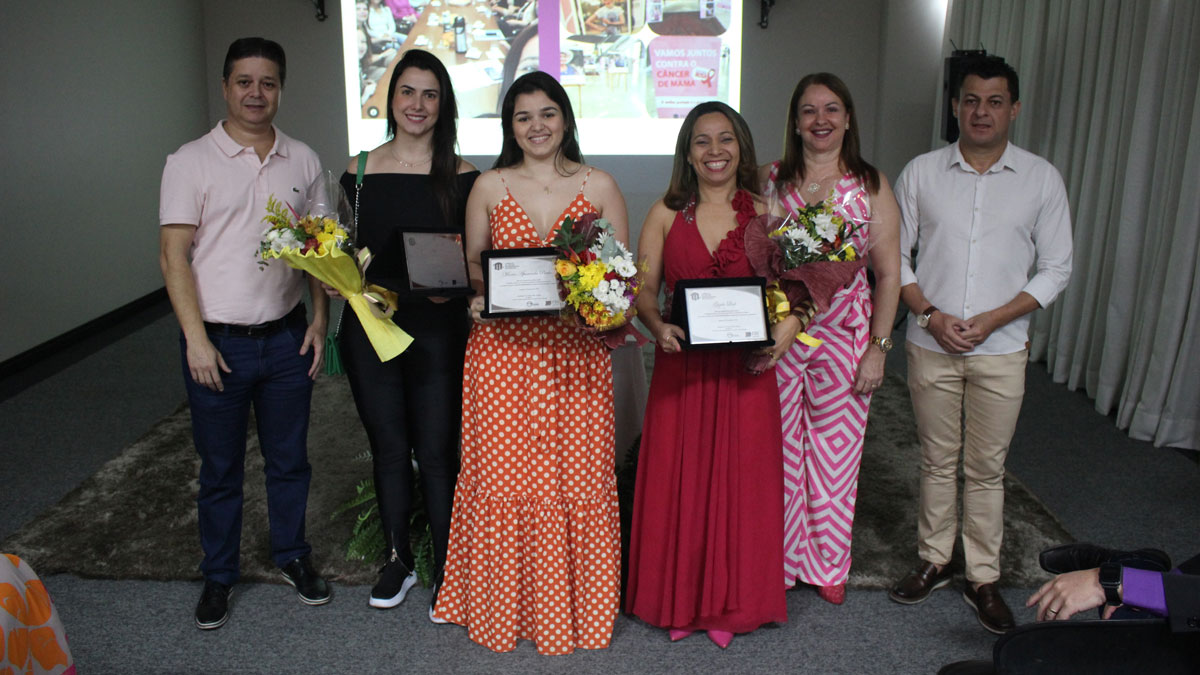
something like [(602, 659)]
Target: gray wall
[(94, 96), (909, 77), (313, 107), (96, 106)]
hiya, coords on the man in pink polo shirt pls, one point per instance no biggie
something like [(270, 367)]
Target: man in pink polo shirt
[(245, 339)]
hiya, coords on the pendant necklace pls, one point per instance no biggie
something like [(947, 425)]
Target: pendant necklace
[(537, 181), (815, 186), (409, 165)]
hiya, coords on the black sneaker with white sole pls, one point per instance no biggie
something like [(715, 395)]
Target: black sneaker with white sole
[(312, 589), (213, 608), (394, 581)]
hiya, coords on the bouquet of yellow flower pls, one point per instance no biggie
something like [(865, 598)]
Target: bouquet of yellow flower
[(320, 243), (289, 231), (597, 279)]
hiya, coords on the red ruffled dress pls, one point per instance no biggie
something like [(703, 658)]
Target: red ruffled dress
[(707, 541)]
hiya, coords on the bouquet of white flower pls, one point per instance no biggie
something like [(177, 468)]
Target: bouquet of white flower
[(597, 278)]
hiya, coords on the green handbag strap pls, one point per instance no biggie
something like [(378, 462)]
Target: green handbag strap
[(358, 178), (362, 168)]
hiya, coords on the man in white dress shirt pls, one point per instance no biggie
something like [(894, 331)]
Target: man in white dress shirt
[(980, 212)]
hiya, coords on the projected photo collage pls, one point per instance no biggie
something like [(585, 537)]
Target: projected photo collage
[(619, 60)]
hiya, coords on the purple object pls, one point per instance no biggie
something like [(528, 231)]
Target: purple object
[(1144, 589)]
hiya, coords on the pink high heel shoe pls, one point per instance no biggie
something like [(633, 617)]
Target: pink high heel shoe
[(722, 638), (834, 595), (677, 634)]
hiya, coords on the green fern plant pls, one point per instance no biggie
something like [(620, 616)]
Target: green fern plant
[(366, 541)]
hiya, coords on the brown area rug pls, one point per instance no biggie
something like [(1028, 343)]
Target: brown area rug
[(135, 518)]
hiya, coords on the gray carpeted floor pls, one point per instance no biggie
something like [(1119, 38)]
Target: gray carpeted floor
[(79, 413), (135, 518)]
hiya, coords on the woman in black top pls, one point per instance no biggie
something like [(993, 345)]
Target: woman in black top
[(414, 401)]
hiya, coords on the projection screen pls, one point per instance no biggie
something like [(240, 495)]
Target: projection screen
[(631, 68)]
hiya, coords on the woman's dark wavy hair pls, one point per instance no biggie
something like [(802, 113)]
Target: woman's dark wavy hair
[(444, 166), (791, 167), (511, 153), (684, 183)]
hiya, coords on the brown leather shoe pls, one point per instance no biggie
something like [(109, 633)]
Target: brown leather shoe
[(989, 608), (919, 583)]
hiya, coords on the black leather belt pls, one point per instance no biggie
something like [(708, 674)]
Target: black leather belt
[(259, 329)]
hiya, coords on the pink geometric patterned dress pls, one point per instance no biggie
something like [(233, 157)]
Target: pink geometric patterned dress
[(823, 419)]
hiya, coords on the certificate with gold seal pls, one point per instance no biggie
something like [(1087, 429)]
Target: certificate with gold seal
[(519, 282), (717, 313)]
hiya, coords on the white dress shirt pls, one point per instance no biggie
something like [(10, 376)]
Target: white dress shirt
[(978, 236)]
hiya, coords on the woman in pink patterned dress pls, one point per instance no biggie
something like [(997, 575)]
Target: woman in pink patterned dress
[(825, 389)]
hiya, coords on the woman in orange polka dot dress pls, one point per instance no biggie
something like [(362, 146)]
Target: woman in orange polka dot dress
[(535, 535)]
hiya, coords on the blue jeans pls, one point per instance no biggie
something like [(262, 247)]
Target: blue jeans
[(269, 373)]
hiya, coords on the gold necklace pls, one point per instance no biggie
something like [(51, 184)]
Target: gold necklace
[(537, 181), (815, 186), (409, 165)]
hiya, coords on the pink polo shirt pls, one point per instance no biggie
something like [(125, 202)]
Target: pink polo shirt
[(221, 188)]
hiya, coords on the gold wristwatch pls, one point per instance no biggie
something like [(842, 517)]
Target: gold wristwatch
[(923, 317), (884, 343)]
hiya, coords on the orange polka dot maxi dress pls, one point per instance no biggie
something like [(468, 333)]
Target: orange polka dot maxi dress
[(535, 542)]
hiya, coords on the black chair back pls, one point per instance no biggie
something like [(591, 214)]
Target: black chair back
[(1115, 646)]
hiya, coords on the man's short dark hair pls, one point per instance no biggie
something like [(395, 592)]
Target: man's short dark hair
[(244, 48), (985, 68)]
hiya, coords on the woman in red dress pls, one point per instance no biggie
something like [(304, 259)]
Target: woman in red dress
[(706, 550)]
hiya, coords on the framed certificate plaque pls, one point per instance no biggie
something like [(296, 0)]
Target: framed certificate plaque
[(519, 282), (716, 313), (436, 263), (433, 264)]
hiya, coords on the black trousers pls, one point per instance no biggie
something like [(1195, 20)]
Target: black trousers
[(412, 403)]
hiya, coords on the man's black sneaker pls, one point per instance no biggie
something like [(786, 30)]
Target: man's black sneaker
[(309, 585), (213, 608), (394, 581)]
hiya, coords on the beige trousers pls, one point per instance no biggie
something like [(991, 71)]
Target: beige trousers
[(969, 403)]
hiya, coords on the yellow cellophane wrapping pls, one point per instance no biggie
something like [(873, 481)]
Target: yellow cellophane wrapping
[(343, 272), (778, 309)]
